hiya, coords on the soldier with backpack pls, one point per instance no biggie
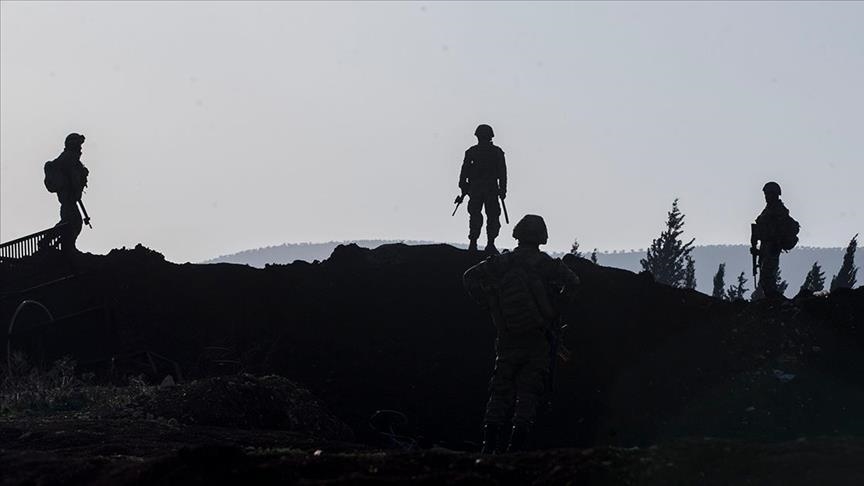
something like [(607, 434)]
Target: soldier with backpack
[(524, 291), (777, 232), (483, 179), (67, 177)]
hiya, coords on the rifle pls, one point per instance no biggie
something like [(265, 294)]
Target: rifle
[(557, 351), (86, 216), (754, 240), (457, 202), (560, 349), (506, 216)]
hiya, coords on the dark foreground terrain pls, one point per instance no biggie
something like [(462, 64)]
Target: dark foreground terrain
[(271, 431), (665, 386), (70, 451)]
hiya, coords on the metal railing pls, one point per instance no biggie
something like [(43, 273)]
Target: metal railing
[(30, 244)]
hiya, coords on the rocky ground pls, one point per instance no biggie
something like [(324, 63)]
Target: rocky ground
[(64, 450), (666, 386)]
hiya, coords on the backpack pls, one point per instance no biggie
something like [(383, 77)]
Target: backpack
[(521, 295), (54, 179), (787, 233)]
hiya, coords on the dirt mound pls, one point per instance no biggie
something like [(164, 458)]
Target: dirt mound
[(245, 402), (392, 328)]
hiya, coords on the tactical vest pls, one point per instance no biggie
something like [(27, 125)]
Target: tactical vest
[(521, 294), (485, 161)]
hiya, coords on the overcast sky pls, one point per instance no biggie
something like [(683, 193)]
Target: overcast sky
[(216, 127)]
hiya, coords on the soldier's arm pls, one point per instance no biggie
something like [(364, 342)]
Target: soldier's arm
[(571, 280), (502, 175), (474, 281), (463, 174), (556, 271), (85, 173)]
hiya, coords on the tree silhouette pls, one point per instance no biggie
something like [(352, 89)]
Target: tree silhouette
[(719, 282), (781, 283), (736, 292), (846, 277), (666, 258), (690, 273), (574, 249), (594, 256), (815, 279)]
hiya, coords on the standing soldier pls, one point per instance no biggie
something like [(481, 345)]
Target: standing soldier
[(777, 232), (484, 179), (523, 290), (67, 177)]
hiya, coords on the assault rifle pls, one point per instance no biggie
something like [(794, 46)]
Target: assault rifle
[(754, 240), (86, 216), (457, 202), (557, 351)]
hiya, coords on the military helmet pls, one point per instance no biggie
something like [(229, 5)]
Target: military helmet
[(484, 131), (771, 188), (74, 140), (531, 229)]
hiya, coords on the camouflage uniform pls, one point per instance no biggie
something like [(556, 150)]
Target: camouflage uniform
[(767, 228), (523, 356), (483, 178)]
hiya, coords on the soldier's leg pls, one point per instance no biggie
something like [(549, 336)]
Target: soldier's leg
[(70, 217), (475, 216), (499, 408), (531, 383), (493, 219), (530, 388), (502, 389), (769, 265)]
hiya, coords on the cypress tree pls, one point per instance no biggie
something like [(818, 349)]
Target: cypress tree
[(736, 292), (815, 279), (846, 277), (690, 274), (719, 282), (665, 259)]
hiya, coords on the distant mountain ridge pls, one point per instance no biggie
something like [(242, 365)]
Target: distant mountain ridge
[(793, 265), (309, 252)]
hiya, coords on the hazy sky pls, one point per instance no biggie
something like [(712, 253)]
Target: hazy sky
[(216, 127)]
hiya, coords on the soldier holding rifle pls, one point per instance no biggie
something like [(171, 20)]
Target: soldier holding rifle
[(67, 177), (483, 179)]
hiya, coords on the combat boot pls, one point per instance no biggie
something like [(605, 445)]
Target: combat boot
[(490, 247), (491, 438), (472, 245), (519, 437)]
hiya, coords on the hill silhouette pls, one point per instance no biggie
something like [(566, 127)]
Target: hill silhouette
[(307, 252), (391, 328), (794, 265)]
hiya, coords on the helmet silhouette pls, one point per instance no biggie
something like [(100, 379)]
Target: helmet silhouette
[(531, 229), (771, 188), (74, 140), (484, 131)]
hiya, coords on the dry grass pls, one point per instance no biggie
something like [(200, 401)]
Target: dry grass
[(31, 390)]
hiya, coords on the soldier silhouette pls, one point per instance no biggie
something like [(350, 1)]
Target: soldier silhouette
[(67, 177), (777, 232), (523, 290), (483, 179)]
